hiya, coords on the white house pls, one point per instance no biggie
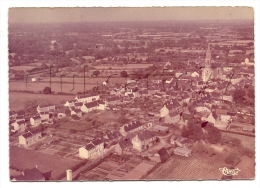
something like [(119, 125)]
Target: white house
[(45, 107), (182, 151), (87, 98), (93, 149), (30, 137), (35, 120)]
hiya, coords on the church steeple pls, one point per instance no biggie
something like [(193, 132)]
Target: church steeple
[(208, 56)]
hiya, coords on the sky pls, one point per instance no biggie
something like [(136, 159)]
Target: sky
[(53, 15)]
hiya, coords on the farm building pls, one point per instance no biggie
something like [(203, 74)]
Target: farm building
[(182, 151)]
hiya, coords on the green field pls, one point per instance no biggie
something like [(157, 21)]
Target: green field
[(17, 100), (81, 80), (24, 68), (56, 87), (127, 66), (26, 159)]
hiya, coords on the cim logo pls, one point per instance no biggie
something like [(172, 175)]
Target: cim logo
[(229, 172)]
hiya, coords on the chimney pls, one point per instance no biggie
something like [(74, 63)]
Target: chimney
[(69, 175)]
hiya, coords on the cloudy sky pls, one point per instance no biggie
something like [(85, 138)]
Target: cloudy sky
[(51, 15)]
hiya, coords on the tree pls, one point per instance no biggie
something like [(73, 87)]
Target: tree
[(214, 134), (238, 96), (96, 72), (233, 158), (193, 132), (124, 74), (47, 90)]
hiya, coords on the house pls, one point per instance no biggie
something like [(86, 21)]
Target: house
[(44, 115), (144, 140), (30, 137), (113, 136), (19, 125), (78, 105), (92, 149), (114, 100), (87, 98), (132, 127), (202, 109), (70, 103), (182, 151), (45, 107), (101, 105), (35, 120), (33, 174), (124, 146), (88, 107), (180, 141), (160, 129), (61, 113), (172, 117), (75, 111)]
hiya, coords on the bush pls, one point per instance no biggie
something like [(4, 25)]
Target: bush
[(233, 158)]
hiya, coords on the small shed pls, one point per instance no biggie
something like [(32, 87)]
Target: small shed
[(182, 151), (161, 129)]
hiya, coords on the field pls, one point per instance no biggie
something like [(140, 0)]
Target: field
[(127, 66), (25, 159), (75, 125), (181, 168), (246, 141), (23, 68), (17, 100), (115, 169), (63, 149), (56, 87), (93, 81)]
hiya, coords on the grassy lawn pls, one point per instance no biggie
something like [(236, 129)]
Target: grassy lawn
[(26, 159), (17, 100), (245, 140), (107, 116), (75, 125)]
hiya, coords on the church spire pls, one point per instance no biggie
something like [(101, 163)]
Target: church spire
[(208, 46)]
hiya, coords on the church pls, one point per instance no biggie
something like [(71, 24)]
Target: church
[(211, 68)]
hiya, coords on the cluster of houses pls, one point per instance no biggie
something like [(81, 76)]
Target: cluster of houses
[(135, 137), (184, 96)]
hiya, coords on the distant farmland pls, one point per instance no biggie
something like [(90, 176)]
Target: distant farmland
[(23, 68), (17, 100), (56, 87)]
